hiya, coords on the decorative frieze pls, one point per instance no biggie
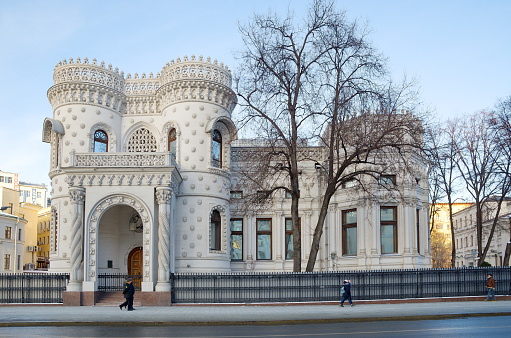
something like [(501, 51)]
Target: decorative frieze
[(193, 68), (122, 160)]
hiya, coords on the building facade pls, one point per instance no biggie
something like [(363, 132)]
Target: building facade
[(142, 185), (466, 234)]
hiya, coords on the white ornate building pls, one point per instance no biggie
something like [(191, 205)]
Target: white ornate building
[(141, 184)]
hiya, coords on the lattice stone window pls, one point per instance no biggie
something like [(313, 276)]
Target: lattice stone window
[(142, 141)]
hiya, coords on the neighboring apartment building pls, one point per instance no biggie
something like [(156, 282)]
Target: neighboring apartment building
[(441, 237), (466, 235), (142, 184), (12, 231), (36, 194), (43, 238)]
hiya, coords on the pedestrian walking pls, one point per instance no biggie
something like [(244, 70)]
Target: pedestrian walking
[(490, 285), (128, 292), (346, 292)]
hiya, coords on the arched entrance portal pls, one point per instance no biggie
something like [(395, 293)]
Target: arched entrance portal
[(135, 267)]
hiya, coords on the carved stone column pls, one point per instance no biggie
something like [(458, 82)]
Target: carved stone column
[(163, 196), (77, 197)]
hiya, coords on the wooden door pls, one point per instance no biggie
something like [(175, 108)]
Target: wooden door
[(135, 266)]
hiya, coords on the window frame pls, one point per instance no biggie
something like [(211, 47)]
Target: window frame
[(264, 233), (345, 227), (417, 216), (8, 232), (215, 231), (216, 144), (289, 233), (7, 262), (172, 141), (388, 180), (392, 223), (100, 141), (237, 233)]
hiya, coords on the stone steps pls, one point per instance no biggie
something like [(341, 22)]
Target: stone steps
[(113, 299)]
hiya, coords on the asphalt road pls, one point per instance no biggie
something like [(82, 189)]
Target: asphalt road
[(494, 327)]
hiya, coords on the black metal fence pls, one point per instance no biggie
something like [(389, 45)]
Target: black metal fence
[(115, 281), (276, 287), (32, 287), (324, 286)]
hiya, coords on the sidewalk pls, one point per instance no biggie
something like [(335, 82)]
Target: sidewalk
[(57, 315)]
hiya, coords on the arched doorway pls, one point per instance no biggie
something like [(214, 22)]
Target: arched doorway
[(135, 266)]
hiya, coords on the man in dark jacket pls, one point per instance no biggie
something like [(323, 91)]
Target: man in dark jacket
[(129, 292), (346, 295), (490, 285)]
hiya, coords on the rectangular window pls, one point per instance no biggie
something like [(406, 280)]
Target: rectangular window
[(38, 194), (8, 232), (236, 239), (349, 232), (388, 179), (263, 238), (236, 195), (19, 234), (109, 264), (289, 247), (18, 262), (388, 230), (7, 262), (417, 216), (9, 179), (1, 178), (215, 228), (349, 183)]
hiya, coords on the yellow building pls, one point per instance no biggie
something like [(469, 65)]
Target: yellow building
[(441, 237), (29, 212), (43, 238)]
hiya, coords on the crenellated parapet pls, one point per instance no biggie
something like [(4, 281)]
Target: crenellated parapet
[(193, 79), (87, 83), (196, 69), (78, 71), (190, 79)]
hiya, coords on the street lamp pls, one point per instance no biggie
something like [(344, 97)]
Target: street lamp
[(5, 208)]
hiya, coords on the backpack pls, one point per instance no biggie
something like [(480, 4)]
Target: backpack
[(342, 289)]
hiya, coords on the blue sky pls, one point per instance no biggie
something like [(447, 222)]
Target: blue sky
[(458, 50)]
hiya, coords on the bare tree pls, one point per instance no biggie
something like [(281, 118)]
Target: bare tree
[(442, 153), (320, 81), (502, 123), (481, 166)]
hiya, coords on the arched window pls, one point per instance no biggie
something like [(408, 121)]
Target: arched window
[(215, 233), (172, 137), (142, 141), (100, 141), (216, 149)]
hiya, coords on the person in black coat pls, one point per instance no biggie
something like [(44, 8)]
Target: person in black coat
[(129, 292), (346, 295)]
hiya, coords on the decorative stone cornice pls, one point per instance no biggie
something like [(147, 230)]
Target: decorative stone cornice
[(86, 93), (142, 86), (196, 90)]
